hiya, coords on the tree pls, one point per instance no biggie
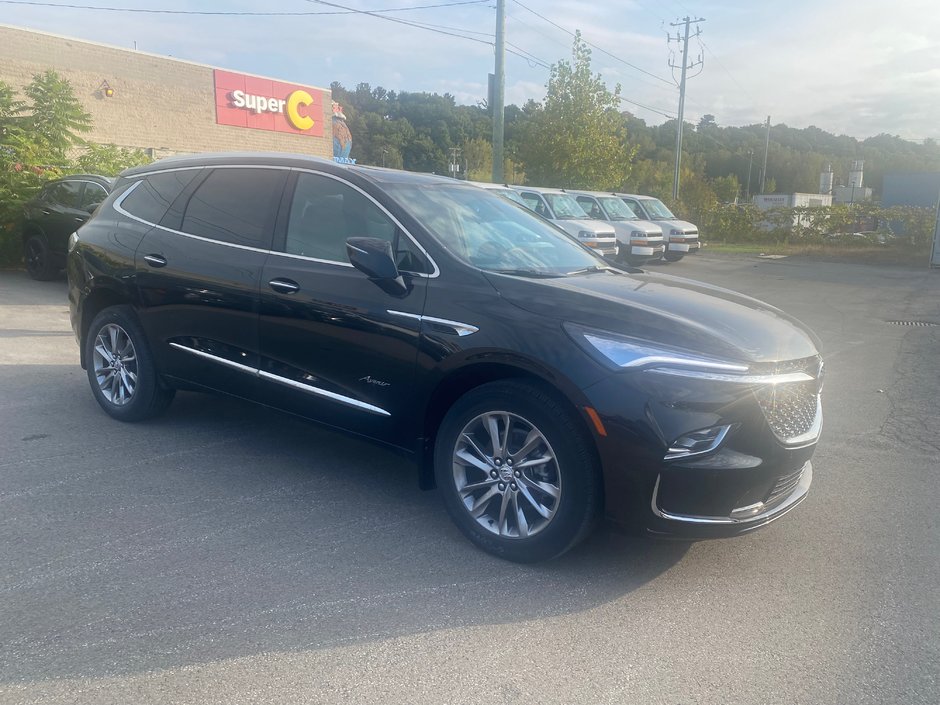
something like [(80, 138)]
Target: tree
[(577, 137), (55, 117), (707, 120)]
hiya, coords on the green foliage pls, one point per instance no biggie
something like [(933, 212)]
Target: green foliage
[(40, 140), (108, 159), (576, 138)]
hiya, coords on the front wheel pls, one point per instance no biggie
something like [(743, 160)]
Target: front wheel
[(121, 370), (517, 471), (673, 256)]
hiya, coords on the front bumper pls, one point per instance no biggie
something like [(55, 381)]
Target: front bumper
[(647, 250), (748, 479), (686, 245)]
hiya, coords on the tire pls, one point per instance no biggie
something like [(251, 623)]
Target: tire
[(524, 514), (673, 256), (38, 259), (136, 391)]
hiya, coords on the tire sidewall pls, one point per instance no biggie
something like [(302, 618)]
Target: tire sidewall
[(44, 272), (579, 500), (141, 404)]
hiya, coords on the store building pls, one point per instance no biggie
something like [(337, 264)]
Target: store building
[(167, 106)]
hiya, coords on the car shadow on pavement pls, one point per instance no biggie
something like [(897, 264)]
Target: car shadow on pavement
[(226, 530)]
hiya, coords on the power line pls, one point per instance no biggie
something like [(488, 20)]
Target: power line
[(603, 51), (227, 13)]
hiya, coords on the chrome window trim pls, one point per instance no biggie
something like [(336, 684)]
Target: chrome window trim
[(261, 374), (461, 329), (435, 269), (798, 494)]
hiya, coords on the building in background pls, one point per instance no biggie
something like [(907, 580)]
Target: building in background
[(911, 188), (167, 106), (855, 191)]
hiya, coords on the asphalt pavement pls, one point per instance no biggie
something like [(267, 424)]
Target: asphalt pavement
[(227, 553)]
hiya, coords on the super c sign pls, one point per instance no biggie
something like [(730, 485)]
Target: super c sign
[(263, 104)]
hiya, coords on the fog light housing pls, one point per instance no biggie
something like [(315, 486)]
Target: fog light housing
[(699, 442)]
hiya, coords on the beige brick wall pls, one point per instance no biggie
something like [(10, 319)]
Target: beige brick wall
[(159, 103)]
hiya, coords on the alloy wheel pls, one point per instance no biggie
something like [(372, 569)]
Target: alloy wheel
[(506, 475), (115, 364), (35, 256)]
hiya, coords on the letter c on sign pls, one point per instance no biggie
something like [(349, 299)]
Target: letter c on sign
[(294, 101)]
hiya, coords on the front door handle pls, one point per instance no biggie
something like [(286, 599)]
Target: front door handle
[(155, 260), (284, 286), (79, 219)]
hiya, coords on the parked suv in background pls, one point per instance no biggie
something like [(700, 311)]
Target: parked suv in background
[(639, 240), (536, 386), (681, 236), (59, 210), (560, 208)]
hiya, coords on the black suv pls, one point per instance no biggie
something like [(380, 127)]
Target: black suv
[(63, 206), (535, 385)]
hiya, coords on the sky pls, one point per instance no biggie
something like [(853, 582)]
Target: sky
[(858, 67)]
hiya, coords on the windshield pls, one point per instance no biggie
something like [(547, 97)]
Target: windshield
[(616, 209), (564, 206), (510, 194), (657, 209), (493, 233)]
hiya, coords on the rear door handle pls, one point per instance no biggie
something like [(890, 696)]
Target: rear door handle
[(284, 286), (46, 212), (155, 260)]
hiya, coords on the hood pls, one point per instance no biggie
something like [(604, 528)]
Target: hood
[(683, 225), (666, 310), (601, 227)]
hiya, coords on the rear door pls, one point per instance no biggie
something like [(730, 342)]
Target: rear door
[(335, 347), (198, 271), (60, 213)]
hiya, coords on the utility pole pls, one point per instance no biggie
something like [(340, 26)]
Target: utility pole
[(499, 87), (687, 21), (763, 173), (750, 161), (454, 166)]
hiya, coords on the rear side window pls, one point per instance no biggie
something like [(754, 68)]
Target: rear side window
[(153, 197), (93, 195), (66, 193), (235, 206)]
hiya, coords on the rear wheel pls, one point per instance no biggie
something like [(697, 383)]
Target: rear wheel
[(517, 470), (121, 370), (38, 259)]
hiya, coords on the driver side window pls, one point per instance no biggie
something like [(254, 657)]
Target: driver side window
[(325, 212)]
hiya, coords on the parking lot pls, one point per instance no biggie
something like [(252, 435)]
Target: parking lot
[(227, 553)]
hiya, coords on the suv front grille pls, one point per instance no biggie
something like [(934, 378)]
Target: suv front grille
[(783, 487), (791, 408)]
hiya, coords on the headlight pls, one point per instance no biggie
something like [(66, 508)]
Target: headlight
[(676, 232), (587, 234), (621, 352), (639, 234)]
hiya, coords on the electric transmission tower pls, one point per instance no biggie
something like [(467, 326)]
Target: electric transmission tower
[(684, 65)]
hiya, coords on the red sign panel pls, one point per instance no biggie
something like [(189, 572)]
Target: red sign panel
[(264, 104)]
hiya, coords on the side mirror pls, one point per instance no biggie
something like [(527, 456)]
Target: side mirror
[(374, 258)]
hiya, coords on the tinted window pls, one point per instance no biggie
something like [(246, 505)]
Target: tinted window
[(93, 195), (324, 212), (151, 199), (236, 206), (66, 193)]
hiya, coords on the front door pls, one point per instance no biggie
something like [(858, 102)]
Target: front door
[(335, 347)]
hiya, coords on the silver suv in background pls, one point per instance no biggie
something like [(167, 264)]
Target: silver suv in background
[(681, 236), (560, 208), (640, 240)]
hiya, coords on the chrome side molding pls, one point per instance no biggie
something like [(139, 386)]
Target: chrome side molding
[(455, 327)]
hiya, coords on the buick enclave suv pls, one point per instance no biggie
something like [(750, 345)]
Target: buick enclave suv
[(537, 387)]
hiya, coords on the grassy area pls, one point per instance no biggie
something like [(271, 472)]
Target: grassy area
[(869, 254)]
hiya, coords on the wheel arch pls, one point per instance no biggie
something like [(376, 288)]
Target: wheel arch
[(98, 300), (461, 380)]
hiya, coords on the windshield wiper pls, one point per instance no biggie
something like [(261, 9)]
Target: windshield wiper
[(589, 270), (533, 273)]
